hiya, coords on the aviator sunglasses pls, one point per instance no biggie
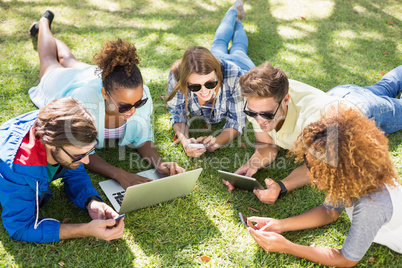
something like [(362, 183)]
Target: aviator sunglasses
[(123, 108), (78, 158), (265, 115), (197, 87)]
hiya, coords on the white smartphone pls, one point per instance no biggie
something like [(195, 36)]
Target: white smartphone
[(196, 145)]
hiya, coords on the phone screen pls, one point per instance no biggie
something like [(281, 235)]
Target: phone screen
[(243, 219)]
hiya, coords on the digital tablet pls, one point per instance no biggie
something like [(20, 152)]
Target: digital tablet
[(240, 181)]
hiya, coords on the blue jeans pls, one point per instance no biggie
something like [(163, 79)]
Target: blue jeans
[(230, 29), (378, 102)]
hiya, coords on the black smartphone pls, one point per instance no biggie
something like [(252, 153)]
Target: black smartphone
[(243, 219), (120, 217)]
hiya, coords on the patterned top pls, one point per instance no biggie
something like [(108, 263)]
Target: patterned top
[(228, 105), (115, 133)]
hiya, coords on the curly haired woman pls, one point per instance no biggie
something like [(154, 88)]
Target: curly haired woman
[(347, 157), (206, 82), (118, 99)]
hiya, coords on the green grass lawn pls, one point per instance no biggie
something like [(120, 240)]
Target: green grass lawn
[(322, 43)]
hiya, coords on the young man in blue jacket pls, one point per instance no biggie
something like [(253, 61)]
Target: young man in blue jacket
[(37, 148)]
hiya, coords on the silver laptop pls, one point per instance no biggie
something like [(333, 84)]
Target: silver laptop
[(161, 189)]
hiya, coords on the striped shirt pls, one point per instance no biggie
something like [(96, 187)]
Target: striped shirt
[(228, 105), (115, 133)]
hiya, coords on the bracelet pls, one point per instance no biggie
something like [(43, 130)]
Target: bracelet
[(92, 197), (283, 189)]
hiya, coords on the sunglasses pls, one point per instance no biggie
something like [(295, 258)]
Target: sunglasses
[(197, 87), (123, 108), (265, 115), (78, 158)]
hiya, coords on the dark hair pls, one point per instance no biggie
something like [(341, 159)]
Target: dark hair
[(65, 122), (264, 81), (197, 60), (117, 63)]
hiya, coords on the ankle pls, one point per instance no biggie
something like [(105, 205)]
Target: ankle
[(44, 20)]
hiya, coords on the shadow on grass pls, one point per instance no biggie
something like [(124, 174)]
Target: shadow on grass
[(176, 234)]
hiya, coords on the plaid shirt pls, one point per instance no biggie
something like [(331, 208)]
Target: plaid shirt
[(228, 105)]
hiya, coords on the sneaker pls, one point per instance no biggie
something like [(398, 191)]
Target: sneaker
[(239, 6)]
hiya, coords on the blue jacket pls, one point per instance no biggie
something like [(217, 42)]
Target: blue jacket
[(24, 185)]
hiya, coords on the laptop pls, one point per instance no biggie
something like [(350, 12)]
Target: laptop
[(162, 188), (239, 181)]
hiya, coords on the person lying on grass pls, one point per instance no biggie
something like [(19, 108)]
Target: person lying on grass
[(112, 90), (206, 82), (37, 148), (280, 108), (347, 157)]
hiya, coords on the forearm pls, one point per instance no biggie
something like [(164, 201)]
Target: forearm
[(315, 217), (181, 132), (69, 231), (297, 178), (100, 166), (263, 156), (324, 256), (147, 150), (227, 135)]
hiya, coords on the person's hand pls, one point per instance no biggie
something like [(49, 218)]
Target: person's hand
[(170, 168), (270, 241), (106, 229), (229, 185), (192, 152), (265, 224), (128, 179), (100, 211), (209, 143), (270, 195), (246, 170)]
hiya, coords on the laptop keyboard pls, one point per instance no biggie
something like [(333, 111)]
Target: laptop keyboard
[(119, 197)]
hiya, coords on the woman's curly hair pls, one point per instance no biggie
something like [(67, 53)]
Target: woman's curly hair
[(117, 64), (347, 154)]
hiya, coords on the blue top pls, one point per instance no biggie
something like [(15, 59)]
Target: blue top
[(85, 85), (24, 185), (228, 105)]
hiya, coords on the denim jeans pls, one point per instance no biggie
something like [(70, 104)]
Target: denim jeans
[(230, 29), (378, 102)]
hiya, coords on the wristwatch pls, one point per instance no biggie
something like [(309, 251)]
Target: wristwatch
[(92, 197), (283, 189)]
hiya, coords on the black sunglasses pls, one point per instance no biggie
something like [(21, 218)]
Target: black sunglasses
[(127, 107), (197, 87), (265, 115), (78, 158)]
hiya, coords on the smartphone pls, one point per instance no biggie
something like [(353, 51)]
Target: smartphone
[(196, 145), (243, 219), (120, 217)]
